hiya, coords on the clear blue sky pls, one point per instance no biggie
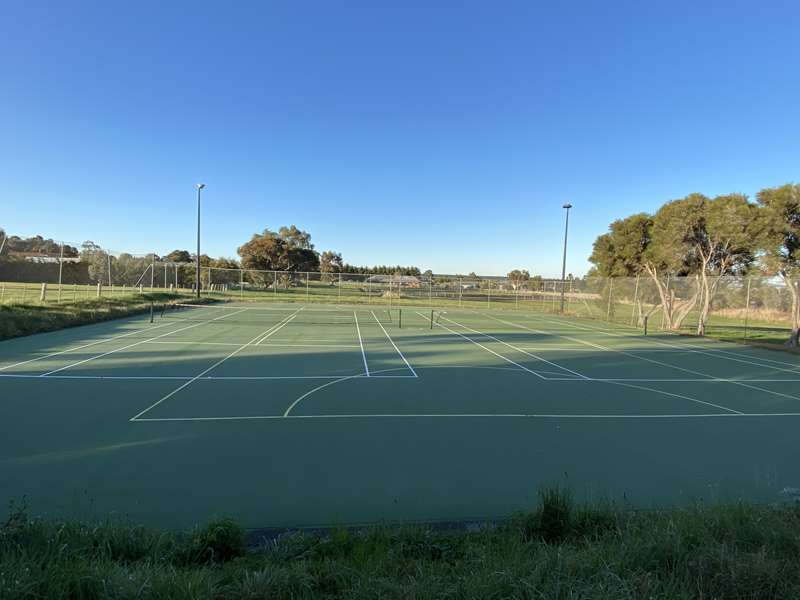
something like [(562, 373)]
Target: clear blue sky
[(445, 135)]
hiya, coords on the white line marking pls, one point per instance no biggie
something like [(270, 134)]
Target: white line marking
[(536, 356), (276, 344), (393, 344), (477, 416), (80, 362), (216, 364), (279, 325), (361, 343), (684, 347), (116, 337), (508, 360), (654, 361)]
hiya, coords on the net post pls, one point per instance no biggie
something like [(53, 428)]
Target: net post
[(152, 308), (400, 318), (610, 298), (431, 319)]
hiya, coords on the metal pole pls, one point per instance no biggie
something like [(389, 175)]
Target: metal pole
[(60, 269), (747, 308), (152, 271), (110, 282), (635, 301), (200, 186), (564, 259)]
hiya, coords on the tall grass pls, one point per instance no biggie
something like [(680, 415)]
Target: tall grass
[(559, 550), (25, 319)]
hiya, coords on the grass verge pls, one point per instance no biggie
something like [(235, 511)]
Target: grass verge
[(559, 550), (17, 320)]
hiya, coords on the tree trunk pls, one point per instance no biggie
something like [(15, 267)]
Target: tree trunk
[(686, 307), (794, 337), (663, 293)]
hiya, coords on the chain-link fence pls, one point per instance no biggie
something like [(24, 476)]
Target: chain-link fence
[(757, 307)]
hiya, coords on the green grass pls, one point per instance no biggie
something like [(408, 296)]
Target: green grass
[(559, 550), (17, 319)]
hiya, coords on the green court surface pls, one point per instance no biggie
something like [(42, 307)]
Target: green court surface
[(299, 415)]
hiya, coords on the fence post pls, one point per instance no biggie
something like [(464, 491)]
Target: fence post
[(99, 289), (635, 301), (275, 286), (747, 308), (569, 297), (610, 298), (43, 293), (430, 291), (488, 293), (152, 272), (241, 283), (307, 276), (339, 296)]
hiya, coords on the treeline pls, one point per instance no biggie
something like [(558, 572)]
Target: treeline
[(288, 250), (702, 239), (381, 270), (13, 244)]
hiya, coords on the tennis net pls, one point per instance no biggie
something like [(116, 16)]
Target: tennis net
[(227, 315)]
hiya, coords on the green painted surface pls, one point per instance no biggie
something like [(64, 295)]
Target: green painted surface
[(290, 431)]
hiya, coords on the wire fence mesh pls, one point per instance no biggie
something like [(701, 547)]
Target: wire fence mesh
[(754, 307)]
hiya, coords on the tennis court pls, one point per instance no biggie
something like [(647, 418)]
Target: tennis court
[(294, 415)]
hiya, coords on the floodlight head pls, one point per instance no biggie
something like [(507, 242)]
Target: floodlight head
[(567, 206), (200, 186)]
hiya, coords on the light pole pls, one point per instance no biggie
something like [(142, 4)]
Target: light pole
[(200, 186), (567, 206)]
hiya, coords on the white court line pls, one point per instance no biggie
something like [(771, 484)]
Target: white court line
[(273, 328), (80, 362), (282, 323), (373, 376), (536, 356), (361, 343), (282, 345), (116, 337), (508, 360), (477, 416), (393, 344), (685, 347), (644, 358), (671, 366)]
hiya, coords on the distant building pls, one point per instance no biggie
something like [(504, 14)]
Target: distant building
[(406, 280), (44, 259)]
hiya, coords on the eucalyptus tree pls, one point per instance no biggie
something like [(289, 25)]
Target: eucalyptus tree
[(780, 243)]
